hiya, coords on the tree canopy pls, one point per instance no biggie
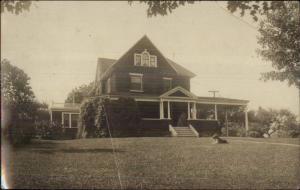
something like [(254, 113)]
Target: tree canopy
[(16, 93), (15, 7), (78, 94)]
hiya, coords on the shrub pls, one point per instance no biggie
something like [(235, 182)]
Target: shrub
[(257, 129), (255, 134), (21, 133), (50, 131), (124, 117), (234, 130)]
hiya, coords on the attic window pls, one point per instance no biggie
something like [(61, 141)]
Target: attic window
[(145, 59)]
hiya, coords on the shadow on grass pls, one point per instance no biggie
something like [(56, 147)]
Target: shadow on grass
[(75, 150), (51, 147)]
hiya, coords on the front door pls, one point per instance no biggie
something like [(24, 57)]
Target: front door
[(179, 113)]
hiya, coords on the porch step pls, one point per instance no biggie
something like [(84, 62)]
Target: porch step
[(184, 132)]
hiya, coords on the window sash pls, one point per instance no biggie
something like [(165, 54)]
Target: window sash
[(153, 62), (137, 59), (136, 82), (145, 59)]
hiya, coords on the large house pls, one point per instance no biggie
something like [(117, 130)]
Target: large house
[(160, 87)]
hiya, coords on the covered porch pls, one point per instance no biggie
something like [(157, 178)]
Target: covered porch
[(179, 107)]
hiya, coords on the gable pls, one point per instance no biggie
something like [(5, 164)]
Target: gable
[(144, 44), (164, 65), (178, 92)]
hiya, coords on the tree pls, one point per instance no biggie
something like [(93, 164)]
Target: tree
[(17, 95), (279, 37), (162, 7), (15, 7), (78, 94), (18, 104)]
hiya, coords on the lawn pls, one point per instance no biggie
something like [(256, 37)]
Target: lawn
[(155, 163)]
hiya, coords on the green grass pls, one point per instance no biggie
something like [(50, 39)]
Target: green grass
[(155, 163)]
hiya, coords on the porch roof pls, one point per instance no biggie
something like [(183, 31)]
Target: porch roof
[(65, 107), (197, 99), (220, 100)]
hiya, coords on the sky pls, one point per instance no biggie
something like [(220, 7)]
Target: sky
[(57, 44)]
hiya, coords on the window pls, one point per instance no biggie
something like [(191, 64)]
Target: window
[(70, 120), (167, 83), (153, 61), (137, 59), (145, 59), (136, 82)]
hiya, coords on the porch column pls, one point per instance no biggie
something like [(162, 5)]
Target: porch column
[(70, 123), (194, 114), (169, 114), (51, 117), (62, 119), (189, 111), (161, 109), (216, 112), (246, 120)]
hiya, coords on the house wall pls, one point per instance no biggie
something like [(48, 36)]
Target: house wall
[(152, 82), (158, 127)]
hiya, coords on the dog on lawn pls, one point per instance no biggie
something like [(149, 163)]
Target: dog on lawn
[(218, 140)]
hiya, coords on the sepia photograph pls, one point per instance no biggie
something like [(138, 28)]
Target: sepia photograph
[(150, 94)]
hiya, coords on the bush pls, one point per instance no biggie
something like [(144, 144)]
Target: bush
[(19, 134), (257, 129), (234, 130), (50, 131), (254, 134), (124, 117)]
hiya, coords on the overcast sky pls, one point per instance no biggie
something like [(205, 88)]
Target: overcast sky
[(57, 44)]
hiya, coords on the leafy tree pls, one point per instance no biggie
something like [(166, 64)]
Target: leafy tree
[(268, 121), (18, 104), (162, 7), (17, 95), (79, 93), (15, 7), (284, 124)]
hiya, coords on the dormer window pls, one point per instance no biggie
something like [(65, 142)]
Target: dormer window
[(145, 59)]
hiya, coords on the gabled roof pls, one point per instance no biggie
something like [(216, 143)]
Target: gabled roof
[(178, 89), (110, 64), (180, 70), (102, 66)]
